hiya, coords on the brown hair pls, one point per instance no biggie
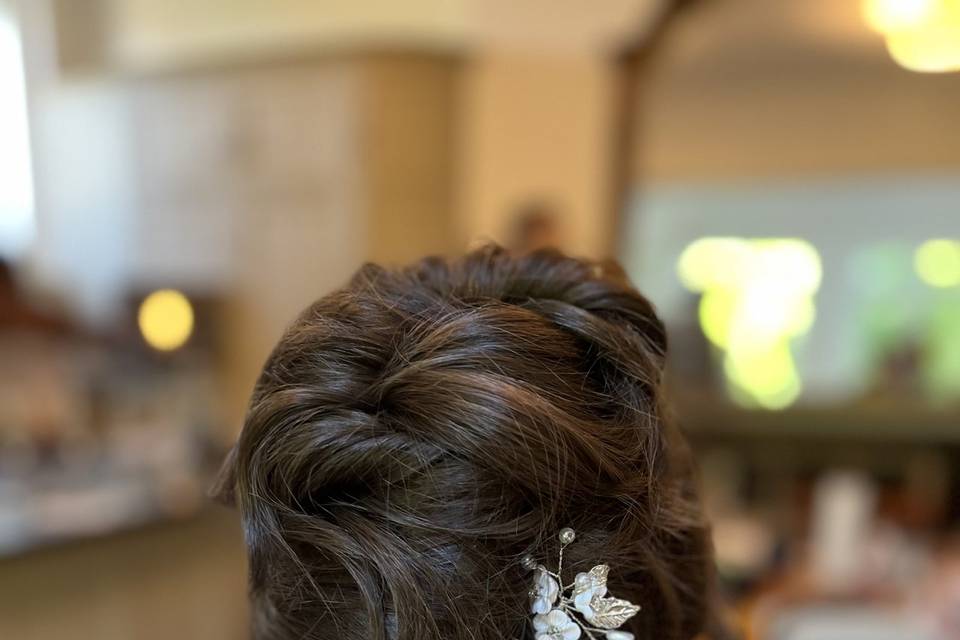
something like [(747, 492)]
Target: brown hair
[(416, 433)]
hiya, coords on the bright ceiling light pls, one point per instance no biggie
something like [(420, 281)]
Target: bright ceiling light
[(887, 16), (930, 50), (921, 35)]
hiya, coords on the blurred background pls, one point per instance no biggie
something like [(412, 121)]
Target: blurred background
[(781, 177)]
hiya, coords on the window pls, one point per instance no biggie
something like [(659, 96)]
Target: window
[(16, 184)]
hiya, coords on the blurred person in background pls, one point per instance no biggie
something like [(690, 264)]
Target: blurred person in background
[(536, 225)]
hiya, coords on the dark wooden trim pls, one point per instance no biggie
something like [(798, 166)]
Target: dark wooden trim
[(632, 66)]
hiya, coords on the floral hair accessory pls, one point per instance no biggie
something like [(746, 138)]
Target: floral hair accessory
[(565, 612)]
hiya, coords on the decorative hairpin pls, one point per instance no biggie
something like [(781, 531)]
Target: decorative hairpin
[(564, 612)]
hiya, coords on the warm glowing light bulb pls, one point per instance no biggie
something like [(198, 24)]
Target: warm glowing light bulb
[(921, 35), (937, 263), (887, 16), (166, 319), (935, 49)]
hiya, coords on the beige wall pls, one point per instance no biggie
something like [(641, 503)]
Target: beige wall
[(738, 93), (828, 125), (537, 126), (160, 34), (408, 144)]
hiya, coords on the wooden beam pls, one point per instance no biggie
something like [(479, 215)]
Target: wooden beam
[(632, 65)]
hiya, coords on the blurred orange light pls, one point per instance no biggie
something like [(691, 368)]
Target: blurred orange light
[(166, 319)]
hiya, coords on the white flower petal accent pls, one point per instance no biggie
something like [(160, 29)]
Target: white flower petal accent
[(540, 623), (582, 603), (596, 578), (556, 625), (587, 586), (544, 593), (558, 618), (572, 632), (619, 635), (540, 605)]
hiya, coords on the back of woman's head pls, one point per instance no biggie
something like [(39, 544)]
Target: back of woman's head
[(416, 433)]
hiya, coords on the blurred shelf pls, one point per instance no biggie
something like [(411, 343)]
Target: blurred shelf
[(703, 416), (35, 518)]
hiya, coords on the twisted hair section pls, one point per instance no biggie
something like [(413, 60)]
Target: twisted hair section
[(416, 433)]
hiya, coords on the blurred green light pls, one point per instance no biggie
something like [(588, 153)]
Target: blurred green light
[(711, 263), (942, 362), (937, 263), (768, 375), (757, 297)]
